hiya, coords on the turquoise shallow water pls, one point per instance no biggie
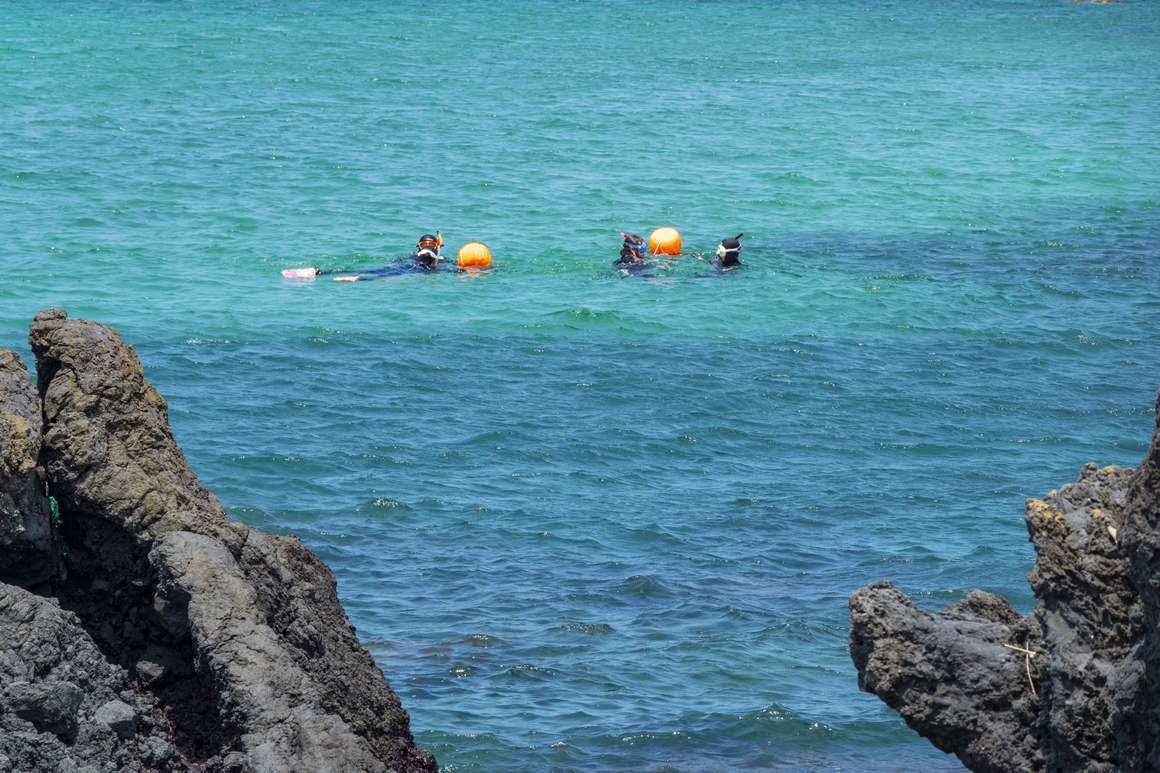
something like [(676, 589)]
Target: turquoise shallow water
[(585, 522)]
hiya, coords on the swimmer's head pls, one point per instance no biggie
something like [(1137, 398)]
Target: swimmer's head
[(428, 250), (634, 244), (729, 251)]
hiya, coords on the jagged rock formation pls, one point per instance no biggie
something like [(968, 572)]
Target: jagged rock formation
[(1074, 685), (62, 703), (26, 555), (1138, 684), (238, 636), (943, 672)]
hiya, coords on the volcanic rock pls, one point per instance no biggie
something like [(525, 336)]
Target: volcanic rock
[(1072, 686), (26, 551), (56, 690), (118, 716), (231, 641)]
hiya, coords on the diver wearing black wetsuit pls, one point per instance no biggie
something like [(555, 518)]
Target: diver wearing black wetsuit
[(729, 253), (632, 253), (427, 253), (425, 260)]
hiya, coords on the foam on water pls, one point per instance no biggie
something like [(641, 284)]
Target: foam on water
[(586, 522)]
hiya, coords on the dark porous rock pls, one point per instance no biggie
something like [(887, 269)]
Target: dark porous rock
[(942, 671), (119, 716), (55, 687), (27, 556), (51, 706), (239, 634), (1136, 683), (1072, 686), (159, 665)]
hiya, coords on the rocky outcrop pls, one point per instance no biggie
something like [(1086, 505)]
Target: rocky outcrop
[(237, 635), (942, 672), (1138, 683), (26, 552), (1074, 685), (62, 704)]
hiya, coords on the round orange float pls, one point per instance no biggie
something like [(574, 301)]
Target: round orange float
[(665, 241), (474, 255)]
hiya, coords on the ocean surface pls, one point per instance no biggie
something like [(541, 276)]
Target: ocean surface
[(592, 522)]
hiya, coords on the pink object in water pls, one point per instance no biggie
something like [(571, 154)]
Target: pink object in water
[(300, 273), (346, 279)]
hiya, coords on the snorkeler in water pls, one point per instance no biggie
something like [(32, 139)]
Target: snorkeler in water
[(632, 253), (728, 253), (428, 253)]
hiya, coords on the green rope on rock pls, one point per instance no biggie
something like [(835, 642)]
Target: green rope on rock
[(57, 540)]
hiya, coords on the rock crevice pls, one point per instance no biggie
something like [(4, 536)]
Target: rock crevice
[(26, 555)]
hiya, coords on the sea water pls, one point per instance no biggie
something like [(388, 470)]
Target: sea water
[(583, 521)]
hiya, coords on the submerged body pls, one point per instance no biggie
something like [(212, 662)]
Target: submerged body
[(400, 267), (425, 260)]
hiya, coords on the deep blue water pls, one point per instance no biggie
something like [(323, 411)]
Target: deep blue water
[(588, 522)]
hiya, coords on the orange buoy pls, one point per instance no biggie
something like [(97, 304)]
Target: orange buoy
[(474, 255), (665, 241)]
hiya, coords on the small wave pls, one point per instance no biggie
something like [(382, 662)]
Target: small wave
[(482, 640), (528, 671), (250, 515), (763, 725), (461, 670), (588, 629), (645, 585)]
